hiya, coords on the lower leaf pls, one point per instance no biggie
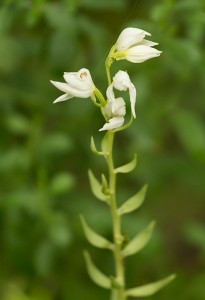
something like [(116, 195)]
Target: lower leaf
[(95, 274), (139, 241), (149, 289), (94, 238)]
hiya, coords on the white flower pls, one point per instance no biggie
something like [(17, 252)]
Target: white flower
[(122, 82), (114, 111), (132, 46), (78, 84), (115, 108)]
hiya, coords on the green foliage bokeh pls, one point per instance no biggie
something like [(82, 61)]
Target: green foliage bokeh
[(45, 154)]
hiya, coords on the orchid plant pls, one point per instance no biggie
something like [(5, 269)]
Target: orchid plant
[(131, 45)]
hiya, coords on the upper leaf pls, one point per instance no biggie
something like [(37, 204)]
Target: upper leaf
[(139, 241), (128, 167), (95, 274), (134, 202), (93, 147), (96, 187), (94, 238), (149, 289)]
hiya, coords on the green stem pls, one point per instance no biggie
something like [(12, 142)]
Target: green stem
[(108, 62), (100, 96), (107, 67), (116, 221)]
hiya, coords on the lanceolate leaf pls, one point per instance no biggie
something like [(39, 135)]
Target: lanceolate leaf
[(128, 167), (149, 289), (93, 147), (139, 241), (96, 187), (95, 274), (94, 238), (133, 202)]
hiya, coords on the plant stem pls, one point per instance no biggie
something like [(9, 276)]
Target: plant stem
[(116, 221), (107, 67)]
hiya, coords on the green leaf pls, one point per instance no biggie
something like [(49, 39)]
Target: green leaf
[(93, 147), (94, 238), (105, 187), (149, 289), (96, 187), (128, 167), (133, 202), (139, 241), (95, 274)]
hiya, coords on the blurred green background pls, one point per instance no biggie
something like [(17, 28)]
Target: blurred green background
[(45, 154)]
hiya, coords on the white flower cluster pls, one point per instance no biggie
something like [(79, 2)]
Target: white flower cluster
[(131, 46)]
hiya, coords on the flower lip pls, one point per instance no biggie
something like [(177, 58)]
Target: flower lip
[(113, 123)]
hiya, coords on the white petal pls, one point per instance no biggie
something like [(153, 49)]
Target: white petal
[(110, 92), (78, 93), (141, 53), (119, 108), (108, 109), (61, 86), (81, 80), (85, 76), (73, 80), (74, 91), (133, 94), (114, 107), (121, 81), (113, 123), (129, 37), (63, 98), (148, 43)]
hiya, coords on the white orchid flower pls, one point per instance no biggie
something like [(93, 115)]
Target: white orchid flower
[(122, 82), (78, 84), (115, 108), (132, 46), (114, 111)]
